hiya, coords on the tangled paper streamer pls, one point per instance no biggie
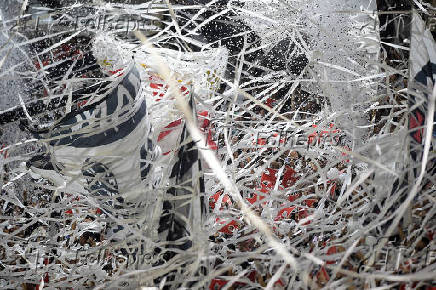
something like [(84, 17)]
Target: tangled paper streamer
[(217, 144)]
